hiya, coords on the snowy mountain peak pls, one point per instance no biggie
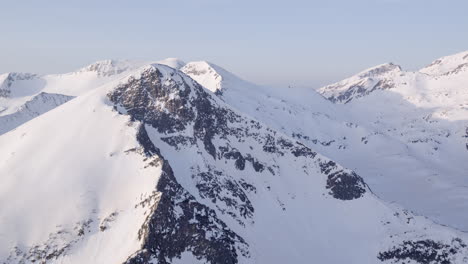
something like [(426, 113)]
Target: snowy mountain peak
[(205, 74), (211, 76), (380, 70), (7, 80), (158, 92), (106, 68), (376, 78), (172, 62), (388, 76), (37, 105), (448, 65)]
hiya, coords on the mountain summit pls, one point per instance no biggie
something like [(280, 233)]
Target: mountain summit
[(448, 65), (377, 78)]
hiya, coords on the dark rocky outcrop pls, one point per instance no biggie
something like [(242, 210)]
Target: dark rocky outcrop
[(423, 251), (342, 184), (360, 90), (179, 223)]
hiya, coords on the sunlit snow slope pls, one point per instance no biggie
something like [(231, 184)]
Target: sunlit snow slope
[(404, 132)]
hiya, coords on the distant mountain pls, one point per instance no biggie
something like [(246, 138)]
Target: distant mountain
[(449, 65), (129, 162), (378, 78), (38, 105), (426, 112)]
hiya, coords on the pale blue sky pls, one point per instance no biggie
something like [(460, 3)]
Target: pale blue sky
[(303, 43)]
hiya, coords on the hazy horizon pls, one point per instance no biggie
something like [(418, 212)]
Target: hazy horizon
[(299, 43)]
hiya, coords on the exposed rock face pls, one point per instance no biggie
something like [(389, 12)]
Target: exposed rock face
[(449, 65), (365, 83), (179, 223), (58, 244), (4, 92), (155, 103), (343, 185), (185, 115), (10, 78), (424, 251)]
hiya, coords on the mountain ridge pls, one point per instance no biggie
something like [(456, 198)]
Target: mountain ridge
[(187, 174)]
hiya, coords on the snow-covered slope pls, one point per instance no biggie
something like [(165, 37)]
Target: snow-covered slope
[(111, 67), (38, 105), (145, 165), (377, 78), (16, 89), (449, 65), (212, 77), (71, 181), (172, 62), (24, 96), (388, 131), (8, 79), (427, 113)]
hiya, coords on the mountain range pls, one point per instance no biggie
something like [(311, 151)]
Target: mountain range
[(173, 162)]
